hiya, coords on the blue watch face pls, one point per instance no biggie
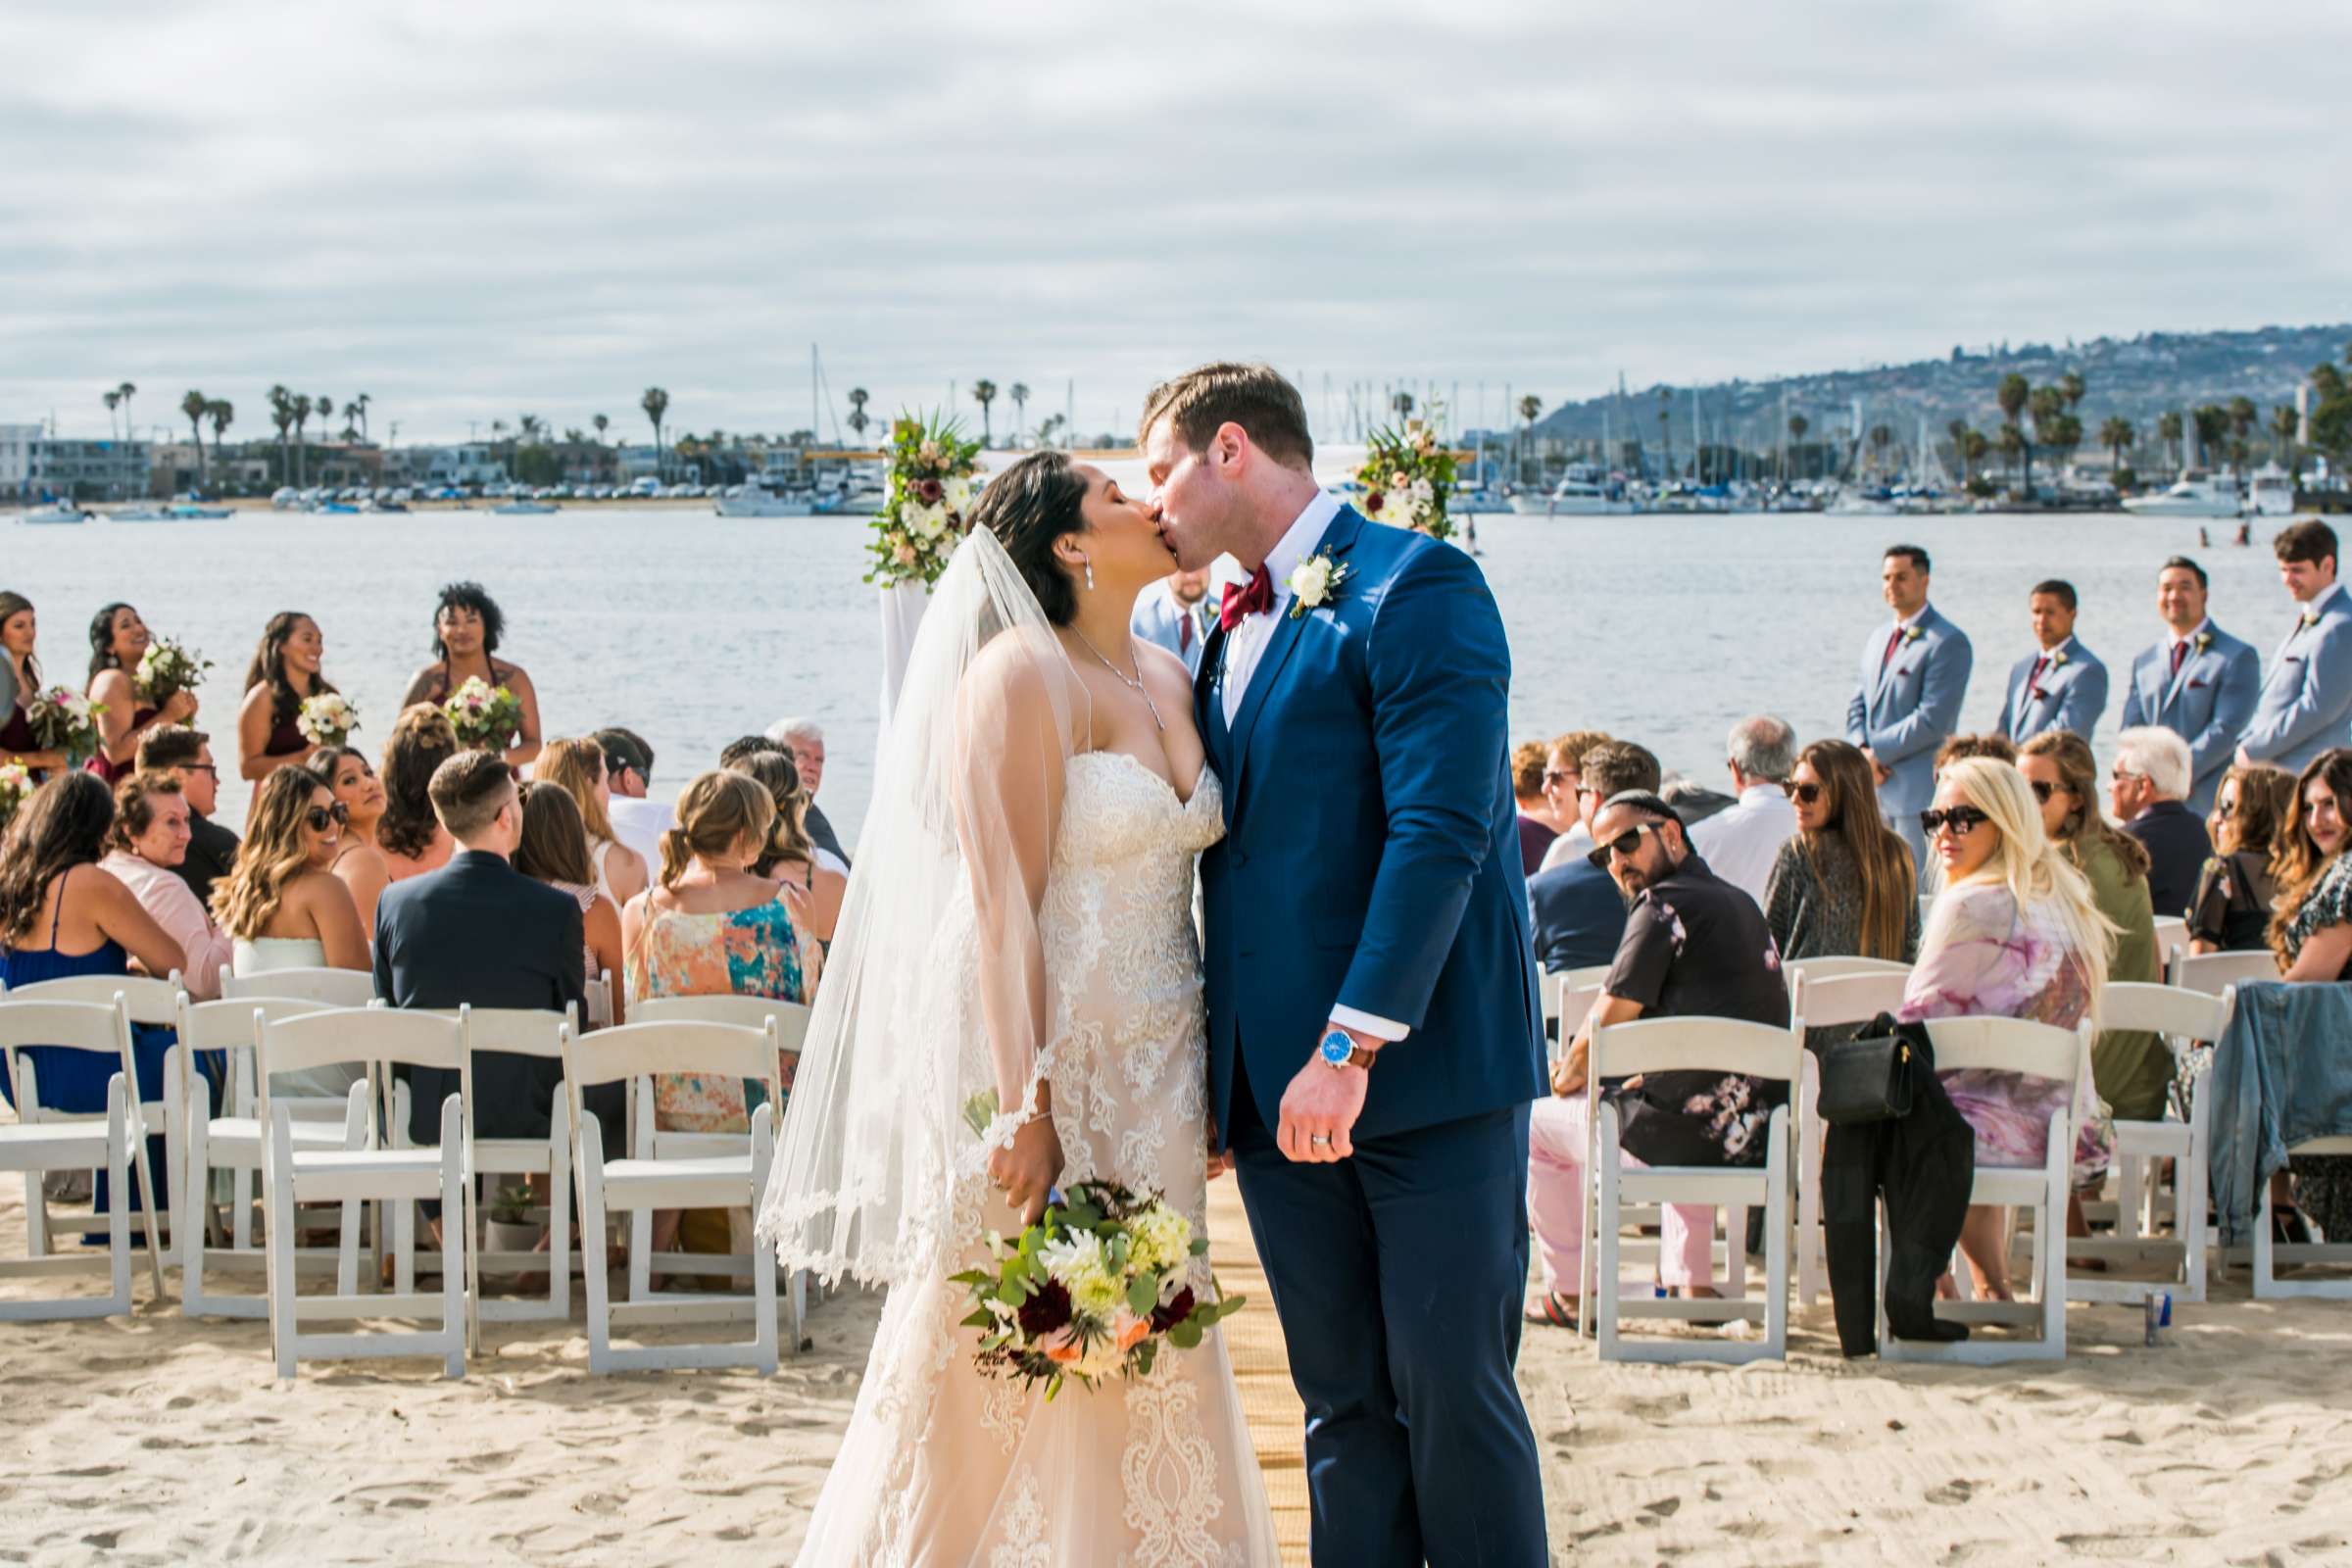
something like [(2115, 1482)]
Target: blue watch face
[(1336, 1048)]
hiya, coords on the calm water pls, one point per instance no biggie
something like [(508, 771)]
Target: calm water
[(693, 629)]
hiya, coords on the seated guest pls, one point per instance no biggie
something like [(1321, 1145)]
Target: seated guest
[(806, 743), (1693, 801), (1563, 785), (478, 932), (579, 765), (149, 840), (1740, 843), (1578, 915), (2149, 790), (407, 835), (1536, 830), (360, 864), (2232, 909), (467, 628), (188, 755), (637, 821), (813, 882), (2312, 934), (280, 903), (61, 915), (1842, 886), (2014, 935), (1694, 946), (1960, 748), (284, 676), (118, 640), (2134, 1068), (553, 850)]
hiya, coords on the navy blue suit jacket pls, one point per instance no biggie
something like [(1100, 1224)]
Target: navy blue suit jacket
[(1371, 855)]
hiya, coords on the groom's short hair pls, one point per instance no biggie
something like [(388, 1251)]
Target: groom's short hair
[(1255, 397)]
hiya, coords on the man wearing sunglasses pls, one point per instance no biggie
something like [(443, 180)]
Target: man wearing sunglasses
[(1915, 674)]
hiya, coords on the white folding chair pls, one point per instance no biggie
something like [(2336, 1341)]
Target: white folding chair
[(2040, 1050), (599, 1011), (2268, 1255), (747, 1013), (153, 1003), (1827, 992), (1570, 1000), (2171, 934), (526, 1033), (1683, 1045), (231, 1142), (2216, 972), (397, 1178), (651, 1178), (2181, 1018), (43, 1139)]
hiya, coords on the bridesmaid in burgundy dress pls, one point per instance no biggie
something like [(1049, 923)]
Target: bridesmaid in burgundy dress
[(284, 674), (466, 627), (118, 640), (18, 629)]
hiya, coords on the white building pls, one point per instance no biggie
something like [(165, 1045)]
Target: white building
[(16, 458), (439, 466)]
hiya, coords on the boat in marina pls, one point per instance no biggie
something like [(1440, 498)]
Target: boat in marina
[(141, 512), (190, 512), (1584, 491), (2271, 492), (525, 508), (763, 498), (55, 512), (2195, 494)]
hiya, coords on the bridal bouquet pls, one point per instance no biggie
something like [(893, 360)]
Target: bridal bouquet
[(327, 719), (1090, 1291), (66, 722), (922, 517), (485, 717), (16, 787), (166, 670), (1406, 476)]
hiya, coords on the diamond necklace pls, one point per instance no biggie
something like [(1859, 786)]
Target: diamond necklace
[(1134, 683)]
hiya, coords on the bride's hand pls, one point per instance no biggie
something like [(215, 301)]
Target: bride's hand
[(1220, 1161), (1026, 1172)]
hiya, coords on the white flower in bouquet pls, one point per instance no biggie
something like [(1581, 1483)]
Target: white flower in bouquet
[(65, 720), (928, 523), (327, 719), (1400, 481), (1104, 1359), (958, 493), (1078, 1263), (1159, 1238), (16, 783), (1424, 492), (167, 669)]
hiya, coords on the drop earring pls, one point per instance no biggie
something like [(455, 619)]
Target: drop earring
[(1090, 572)]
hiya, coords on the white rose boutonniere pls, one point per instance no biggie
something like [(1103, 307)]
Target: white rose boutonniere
[(1313, 581), (2058, 659), (1912, 634), (2203, 641)]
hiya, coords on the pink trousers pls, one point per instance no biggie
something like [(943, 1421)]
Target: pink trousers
[(1555, 1173)]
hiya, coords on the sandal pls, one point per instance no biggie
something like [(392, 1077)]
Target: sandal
[(1554, 1308)]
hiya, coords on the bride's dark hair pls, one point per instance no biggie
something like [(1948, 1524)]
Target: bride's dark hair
[(1028, 506)]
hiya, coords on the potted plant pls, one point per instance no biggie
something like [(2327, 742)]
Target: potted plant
[(511, 1228)]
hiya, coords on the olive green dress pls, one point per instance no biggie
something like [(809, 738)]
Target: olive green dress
[(2132, 1067)]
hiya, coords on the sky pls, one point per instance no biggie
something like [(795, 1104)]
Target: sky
[(477, 210)]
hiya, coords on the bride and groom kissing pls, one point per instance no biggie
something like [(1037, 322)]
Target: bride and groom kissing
[(1362, 1050)]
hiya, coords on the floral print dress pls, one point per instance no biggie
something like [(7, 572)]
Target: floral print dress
[(758, 951)]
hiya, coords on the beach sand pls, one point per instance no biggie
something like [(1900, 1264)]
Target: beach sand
[(154, 1440)]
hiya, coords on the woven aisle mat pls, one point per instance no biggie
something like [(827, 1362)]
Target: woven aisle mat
[(1253, 1340)]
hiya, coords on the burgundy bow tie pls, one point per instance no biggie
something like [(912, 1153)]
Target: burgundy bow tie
[(1241, 603)]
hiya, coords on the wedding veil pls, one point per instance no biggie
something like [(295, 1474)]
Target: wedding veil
[(935, 991)]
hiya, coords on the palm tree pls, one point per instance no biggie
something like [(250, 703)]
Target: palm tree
[(2243, 418), (2047, 405), (1973, 445), (2284, 424), (281, 415), (1402, 403), (2071, 388), (2213, 423), (1881, 438), (984, 392), (221, 414), (1019, 393), (193, 406), (2168, 430), (859, 420), (2012, 444), (656, 404), (112, 399), (130, 430), (531, 428), (302, 449), (2115, 435), (1528, 407), (358, 408), (602, 425)]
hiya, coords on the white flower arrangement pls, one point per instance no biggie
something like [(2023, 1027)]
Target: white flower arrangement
[(327, 719), (167, 669), (1314, 580), (485, 717), (1406, 476), (65, 720), (927, 502)]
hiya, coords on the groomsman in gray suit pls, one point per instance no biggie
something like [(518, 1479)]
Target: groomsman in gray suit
[(2197, 681), (1175, 614), (2061, 686), (2306, 703), (1914, 677)]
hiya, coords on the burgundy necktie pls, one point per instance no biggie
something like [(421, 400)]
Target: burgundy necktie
[(1242, 601), (2034, 686), (1893, 643), (1184, 632), (2179, 651)]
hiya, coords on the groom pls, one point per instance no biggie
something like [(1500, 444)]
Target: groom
[(1375, 1037)]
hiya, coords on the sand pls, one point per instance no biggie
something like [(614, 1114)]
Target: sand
[(155, 1439)]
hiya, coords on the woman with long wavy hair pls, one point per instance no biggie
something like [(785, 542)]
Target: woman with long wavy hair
[(2230, 912), (2014, 934), (790, 857), (19, 631), (1843, 884), (118, 640), (359, 864), (409, 836), (284, 676), (578, 767), (2310, 932), (281, 903)]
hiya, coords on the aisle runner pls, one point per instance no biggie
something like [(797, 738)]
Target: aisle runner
[(1254, 1339)]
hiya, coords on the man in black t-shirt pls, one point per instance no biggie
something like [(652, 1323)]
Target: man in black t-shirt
[(188, 755)]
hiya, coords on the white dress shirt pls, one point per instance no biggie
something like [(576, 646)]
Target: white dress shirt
[(204, 947), (1740, 842), (1577, 841), (640, 824)]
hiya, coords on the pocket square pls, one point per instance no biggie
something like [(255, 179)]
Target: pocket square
[(2195, 684)]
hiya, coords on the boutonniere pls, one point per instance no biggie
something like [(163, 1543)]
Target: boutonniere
[(2311, 618), (1912, 634), (2058, 659), (2201, 641), (1314, 580)]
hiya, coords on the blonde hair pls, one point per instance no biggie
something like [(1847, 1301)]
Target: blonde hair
[(574, 766), (273, 856), (2035, 868), (714, 815)]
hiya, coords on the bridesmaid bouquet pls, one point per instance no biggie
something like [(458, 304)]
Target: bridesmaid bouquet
[(327, 719), (66, 722), (16, 788), (1090, 1291), (485, 717), (166, 670)]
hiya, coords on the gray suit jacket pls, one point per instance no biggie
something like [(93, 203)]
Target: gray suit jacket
[(2208, 704), (1907, 704), (2306, 701)]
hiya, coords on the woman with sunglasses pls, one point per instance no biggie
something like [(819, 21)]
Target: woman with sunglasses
[(2230, 912), (1842, 885), (359, 862), (2134, 1068), (2014, 934), (284, 906)]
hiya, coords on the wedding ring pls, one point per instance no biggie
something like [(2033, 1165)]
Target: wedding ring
[(1320, 1141)]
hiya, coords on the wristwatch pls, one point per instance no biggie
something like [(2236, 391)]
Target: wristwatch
[(1339, 1050)]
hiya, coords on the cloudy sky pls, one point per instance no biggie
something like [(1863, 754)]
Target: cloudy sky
[(474, 209)]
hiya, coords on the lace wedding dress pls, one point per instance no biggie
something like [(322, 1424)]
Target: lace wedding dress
[(942, 1466)]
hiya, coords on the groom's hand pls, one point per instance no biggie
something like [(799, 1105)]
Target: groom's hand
[(1320, 1106)]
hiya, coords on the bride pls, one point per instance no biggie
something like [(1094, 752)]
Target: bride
[(1020, 921)]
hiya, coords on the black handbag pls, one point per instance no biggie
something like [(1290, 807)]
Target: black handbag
[(1871, 1078)]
